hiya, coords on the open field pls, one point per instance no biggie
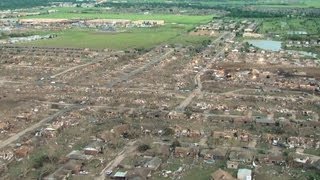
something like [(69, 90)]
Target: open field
[(66, 13), (134, 38), (269, 3), (175, 30), (284, 25), (293, 4), (257, 3)]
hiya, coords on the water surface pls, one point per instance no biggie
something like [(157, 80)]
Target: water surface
[(268, 45)]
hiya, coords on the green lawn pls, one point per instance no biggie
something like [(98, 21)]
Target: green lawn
[(243, 2), (175, 31), (199, 173), (267, 3), (96, 13), (134, 38), (312, 151), (312, 3), (283, 25)]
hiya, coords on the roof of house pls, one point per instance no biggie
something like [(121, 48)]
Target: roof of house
[(244, 172), (154, 162), (120, 174)]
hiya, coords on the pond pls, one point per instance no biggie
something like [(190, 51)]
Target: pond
[(268, 45)]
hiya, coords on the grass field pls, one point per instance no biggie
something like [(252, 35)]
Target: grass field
[(295, 3), (199, 173), (312, 3), (134, 38), (283, 25), (95, 13), (175, 30), (268, 3)]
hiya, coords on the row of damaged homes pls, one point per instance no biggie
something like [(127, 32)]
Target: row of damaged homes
[(93, 23)]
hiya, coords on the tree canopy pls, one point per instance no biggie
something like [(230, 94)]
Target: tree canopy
[(18, 4)]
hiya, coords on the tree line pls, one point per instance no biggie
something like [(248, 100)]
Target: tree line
[(20, 4), (234, 10)]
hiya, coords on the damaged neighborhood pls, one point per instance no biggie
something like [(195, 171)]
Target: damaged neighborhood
[(90, 94)]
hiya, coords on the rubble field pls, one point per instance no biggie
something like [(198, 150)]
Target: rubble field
[(173, 112)]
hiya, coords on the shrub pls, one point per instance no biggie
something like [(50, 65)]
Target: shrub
[(143, 147), (168, 131)]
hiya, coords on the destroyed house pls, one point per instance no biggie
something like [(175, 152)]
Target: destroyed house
[(93, 148), (186, 152), (316, 165), (301, 142), (219, 153), (223, 134), (244, 156), (206, 153), (154, 163), (107, 136), (301, 160), (64, 172), (244, 137), (221, 175), (121, 130), (272, 160), (313, 124), (43, 22), (23, 151), (265, 121), (242, 121), (232, 165), (139, 174), (181, 152), (78, 155)]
